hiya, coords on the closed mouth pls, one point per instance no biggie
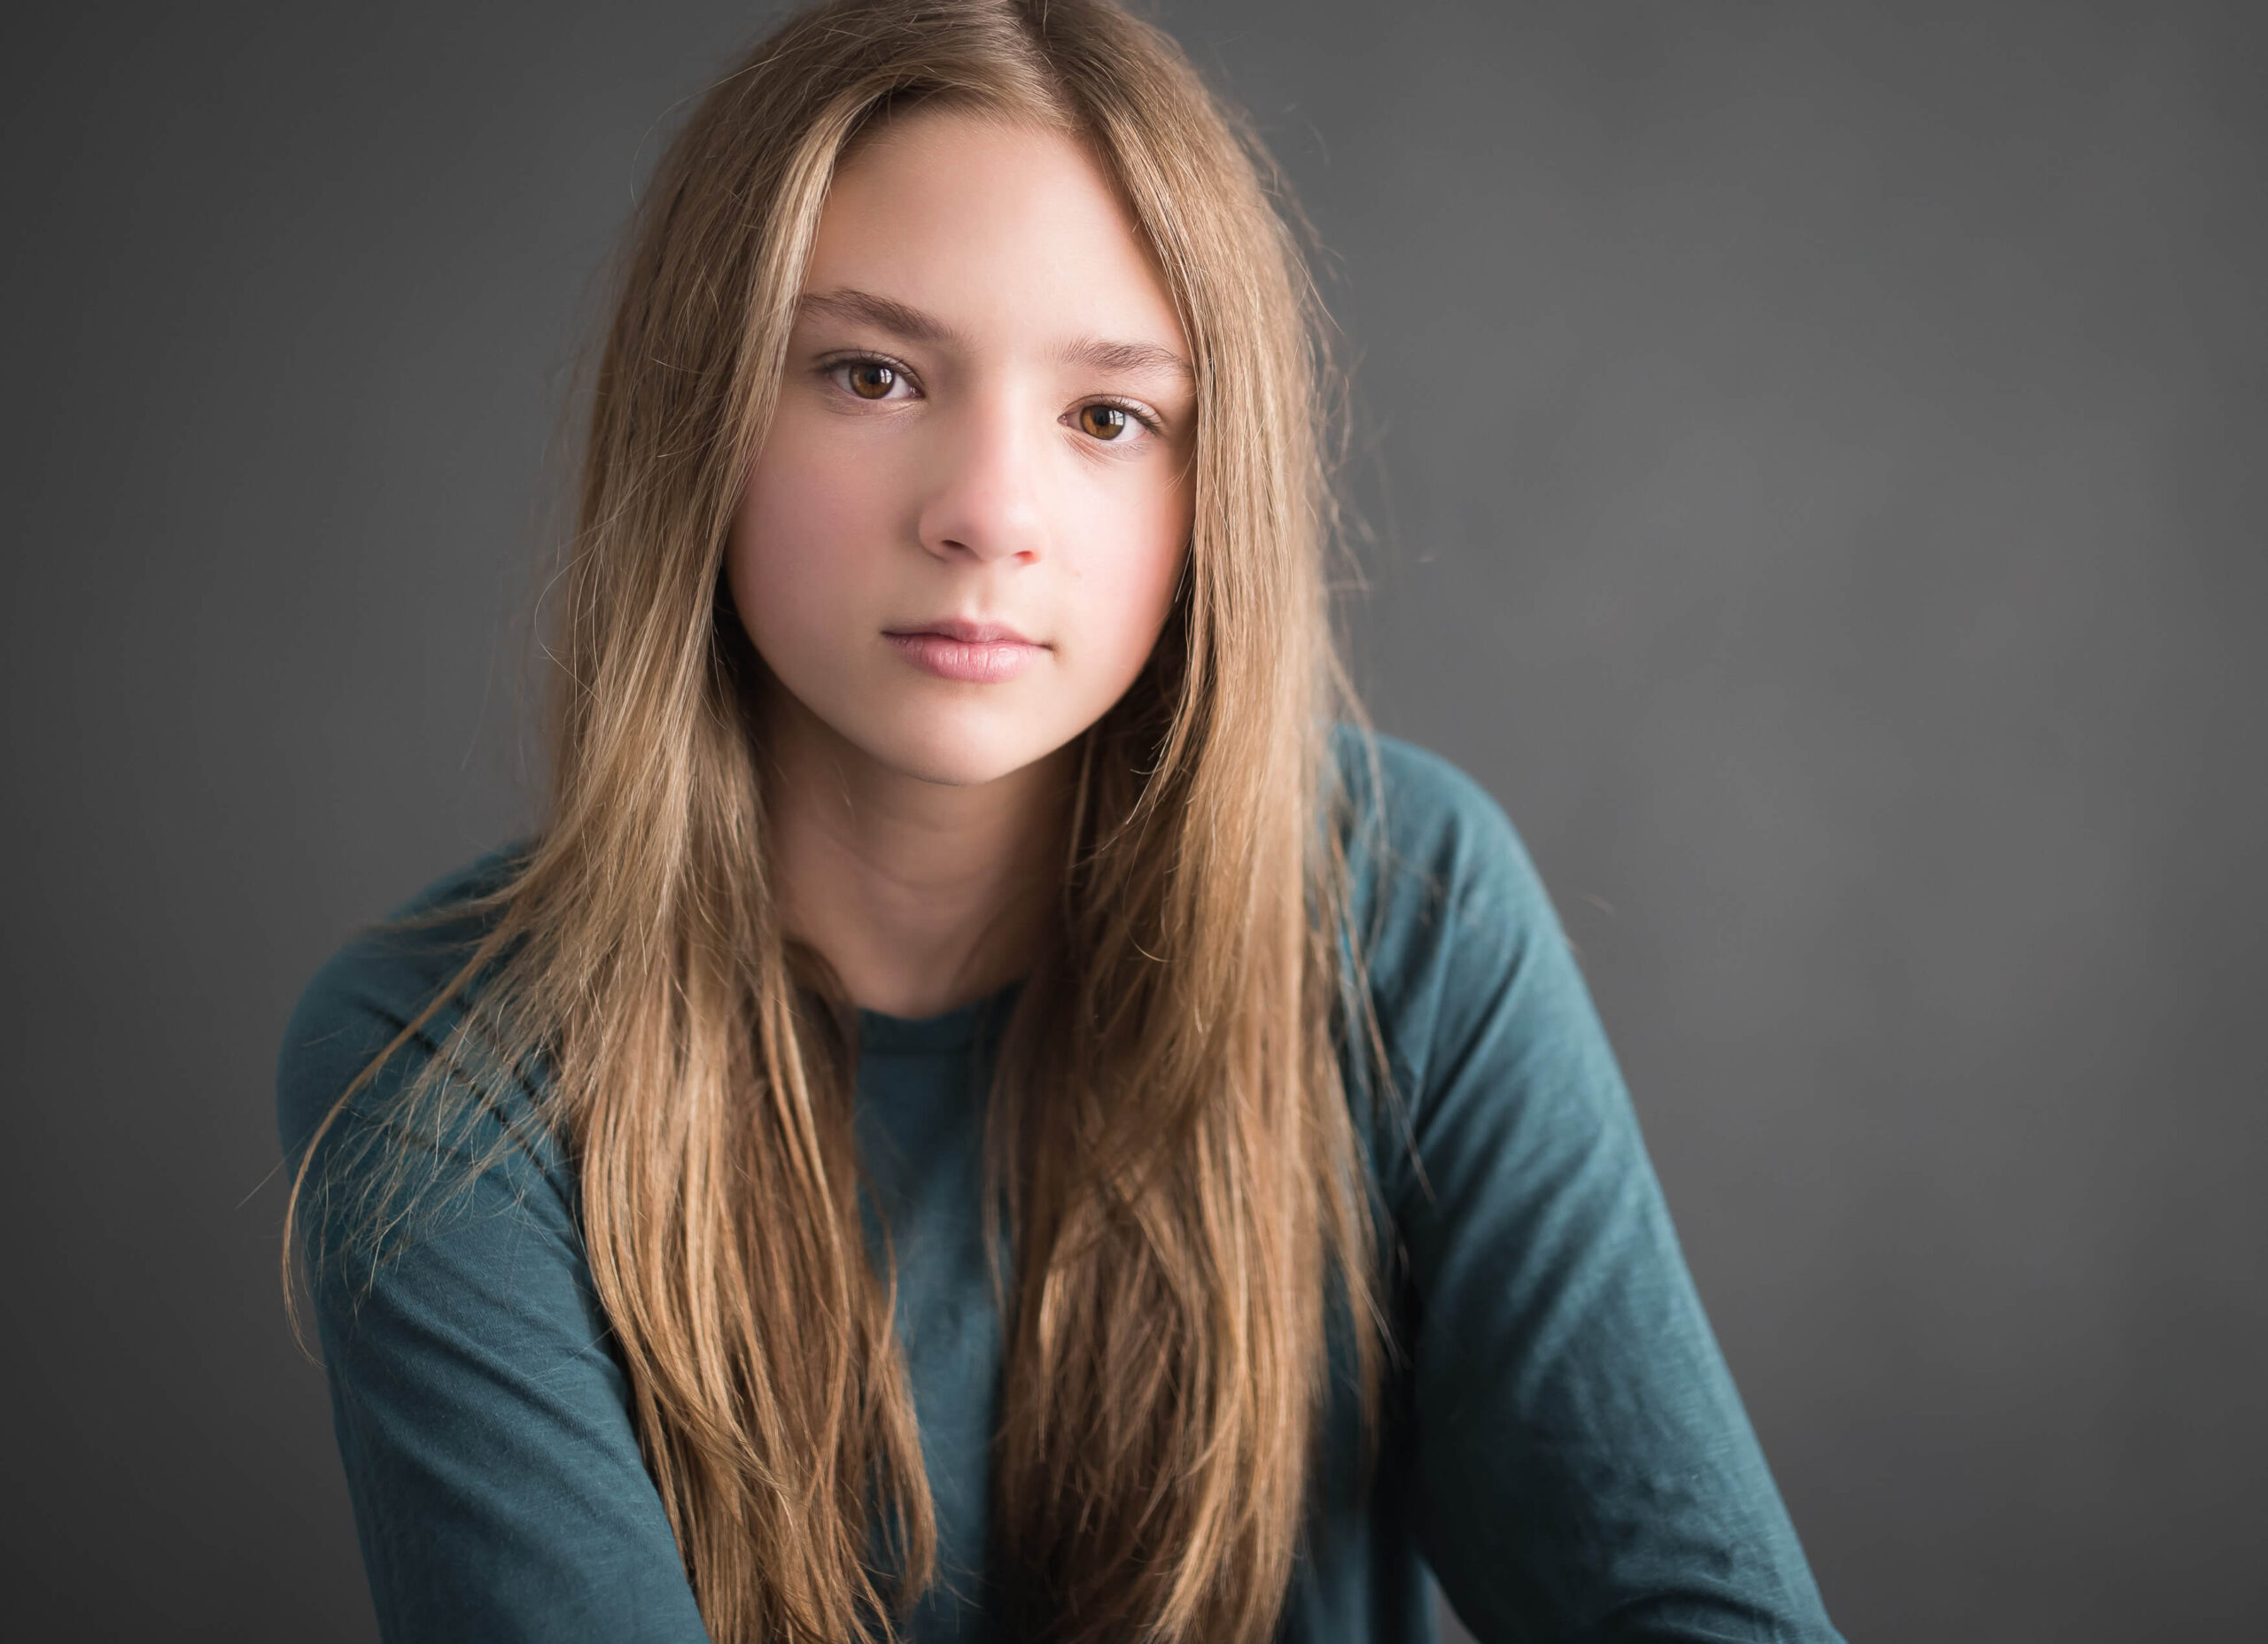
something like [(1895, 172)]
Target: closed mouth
[(966, 633)]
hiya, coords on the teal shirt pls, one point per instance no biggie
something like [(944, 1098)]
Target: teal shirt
[(1563, 1448)]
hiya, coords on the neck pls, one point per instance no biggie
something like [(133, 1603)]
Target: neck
[(922, 896)]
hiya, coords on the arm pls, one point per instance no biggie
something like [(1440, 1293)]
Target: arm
[(1586, 1469), (498, 1488)]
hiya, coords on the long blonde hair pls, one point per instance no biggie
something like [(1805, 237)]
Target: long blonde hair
[(1170, 1149)]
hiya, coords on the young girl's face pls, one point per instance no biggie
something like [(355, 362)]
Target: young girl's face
[(961, 538)]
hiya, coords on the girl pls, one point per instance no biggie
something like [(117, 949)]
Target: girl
[(992, 1109)]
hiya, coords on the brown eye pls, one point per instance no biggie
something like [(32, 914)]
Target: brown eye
[(1102, 421), (871, 379)]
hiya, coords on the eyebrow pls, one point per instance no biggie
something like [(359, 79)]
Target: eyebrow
[(1108, 356), (904, 321), (899, 319)]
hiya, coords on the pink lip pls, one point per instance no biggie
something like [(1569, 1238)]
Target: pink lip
[(960, 628), (979, 653)]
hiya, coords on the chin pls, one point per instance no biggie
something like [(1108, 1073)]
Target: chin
[(955, 753)]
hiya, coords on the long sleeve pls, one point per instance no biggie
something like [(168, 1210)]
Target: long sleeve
[(1585, 1468), (498, 1488)]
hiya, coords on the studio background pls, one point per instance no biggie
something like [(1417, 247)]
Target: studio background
[(1814, 458)]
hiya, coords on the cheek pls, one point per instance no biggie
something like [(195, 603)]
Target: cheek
[(796, 563), (1128, 589)]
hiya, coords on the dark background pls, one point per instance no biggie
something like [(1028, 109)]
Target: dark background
[(1816, 461)]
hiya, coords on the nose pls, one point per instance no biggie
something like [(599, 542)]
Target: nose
[(986, 501)]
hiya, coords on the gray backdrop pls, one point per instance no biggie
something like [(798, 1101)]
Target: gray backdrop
[(1816, 462)]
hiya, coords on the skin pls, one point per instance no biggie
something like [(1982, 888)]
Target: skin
[(973, 453)]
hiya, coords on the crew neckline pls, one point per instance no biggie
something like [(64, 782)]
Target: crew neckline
[(883, 1034)]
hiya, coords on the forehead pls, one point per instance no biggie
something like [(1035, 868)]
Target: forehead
[(1007, 231)]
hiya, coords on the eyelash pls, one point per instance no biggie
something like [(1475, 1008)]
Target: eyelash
[(829, 367)]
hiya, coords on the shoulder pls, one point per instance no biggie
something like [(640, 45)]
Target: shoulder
[(1430, 851), (1459, 950), (374, 986)]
